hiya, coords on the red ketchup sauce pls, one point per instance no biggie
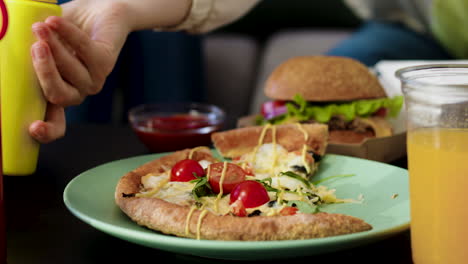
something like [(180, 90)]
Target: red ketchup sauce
[(175, 132)]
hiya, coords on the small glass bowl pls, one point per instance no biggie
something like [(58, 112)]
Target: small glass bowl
[(165, 127)]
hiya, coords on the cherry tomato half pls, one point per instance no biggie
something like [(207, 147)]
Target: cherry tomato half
[(251, 193), (234, 175), (271, 109), (183, 170)]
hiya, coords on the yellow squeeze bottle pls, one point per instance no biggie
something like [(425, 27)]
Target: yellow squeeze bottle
[(21, 97)]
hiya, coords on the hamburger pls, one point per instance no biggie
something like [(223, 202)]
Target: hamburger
[(338, 91)]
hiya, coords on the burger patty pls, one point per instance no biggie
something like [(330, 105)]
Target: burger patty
[(339, 123), (342, 131), (349, 136)]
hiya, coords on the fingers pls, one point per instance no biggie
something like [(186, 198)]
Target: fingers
[(53, 128), (55, 89), (69, 66), (76, 37), (84, 47)]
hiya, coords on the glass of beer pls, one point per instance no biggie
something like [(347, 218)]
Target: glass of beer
[(436, 99)]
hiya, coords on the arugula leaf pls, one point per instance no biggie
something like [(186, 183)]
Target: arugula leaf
[(304, 207), (201, 188), (268, 181), (297, 177), (267, 184), (332, 177)]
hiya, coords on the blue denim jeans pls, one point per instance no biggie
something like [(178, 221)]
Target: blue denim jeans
[(376, 41)]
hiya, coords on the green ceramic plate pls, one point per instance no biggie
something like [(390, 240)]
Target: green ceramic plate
[(90, 197)]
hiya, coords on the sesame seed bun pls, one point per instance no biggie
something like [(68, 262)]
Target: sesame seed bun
[(323, 78)]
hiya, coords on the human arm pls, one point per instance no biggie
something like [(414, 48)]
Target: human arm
[(74, 54)]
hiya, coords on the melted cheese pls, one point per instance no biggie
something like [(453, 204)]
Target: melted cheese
[(266, 209), (153, 183), (285, 161), (272, 212), (177, 192), (222, 204), (204, 163), (150, 180), (266, 155), (380, 127), (292, 196), (260, 141)]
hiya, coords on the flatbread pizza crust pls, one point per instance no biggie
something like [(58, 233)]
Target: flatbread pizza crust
[(170, 218)]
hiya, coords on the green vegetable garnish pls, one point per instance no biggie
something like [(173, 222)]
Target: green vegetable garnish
[(332, 177), (267, 184), (300, 110), (297, 177), (304, 207), (201, 188)]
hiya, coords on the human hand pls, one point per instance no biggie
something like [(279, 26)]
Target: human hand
[(73, 56)]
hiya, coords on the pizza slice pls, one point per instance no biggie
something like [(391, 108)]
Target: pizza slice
[(262, 193), (270, 150)]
